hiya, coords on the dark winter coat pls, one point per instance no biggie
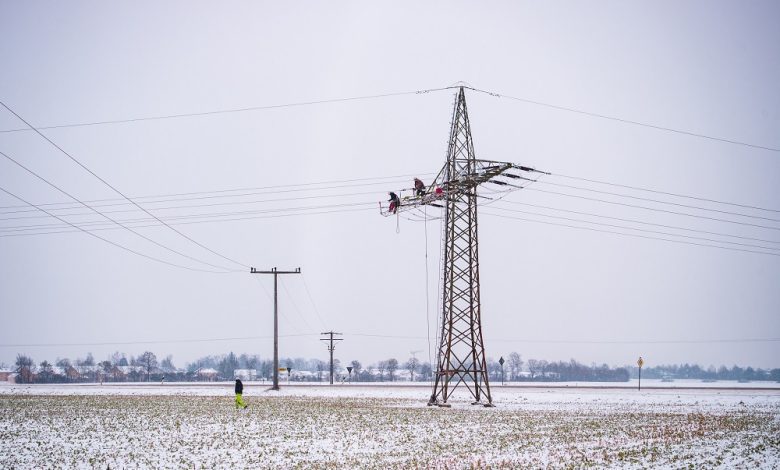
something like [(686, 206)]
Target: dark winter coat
[(239, 386)]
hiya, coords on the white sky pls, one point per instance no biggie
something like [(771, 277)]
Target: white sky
[(548, 291)]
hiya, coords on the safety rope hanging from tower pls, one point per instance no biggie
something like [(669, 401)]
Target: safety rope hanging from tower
[(461, 351)]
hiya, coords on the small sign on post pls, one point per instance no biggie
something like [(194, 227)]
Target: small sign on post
[(640, 362), (501, 361)]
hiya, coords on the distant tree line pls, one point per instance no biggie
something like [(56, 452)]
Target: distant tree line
[(693, 371), (119, 367)]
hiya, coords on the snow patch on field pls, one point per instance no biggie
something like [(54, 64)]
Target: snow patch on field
[(354, 426)]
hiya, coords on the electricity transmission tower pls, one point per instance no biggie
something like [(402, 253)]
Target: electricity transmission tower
[(461, 350)]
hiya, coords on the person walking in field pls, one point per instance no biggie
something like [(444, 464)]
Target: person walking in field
[(239, 392)]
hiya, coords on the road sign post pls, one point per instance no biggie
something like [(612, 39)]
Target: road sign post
[(501, 361), (640, 362)]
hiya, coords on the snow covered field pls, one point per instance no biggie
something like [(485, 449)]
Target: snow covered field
[(354, 426)]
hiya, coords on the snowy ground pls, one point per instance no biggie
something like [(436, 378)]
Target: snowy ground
[(353, 426)]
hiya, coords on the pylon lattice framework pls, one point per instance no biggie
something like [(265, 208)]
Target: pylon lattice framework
[(461, 351), (461, 354)]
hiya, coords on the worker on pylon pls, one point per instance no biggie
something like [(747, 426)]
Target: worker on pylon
[(394, 202), (419, 187)]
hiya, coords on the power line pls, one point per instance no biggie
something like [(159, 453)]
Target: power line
[(626, 121), (637, 188), (284, 316), (311, 299), (234, 110), (111, 242), (653, 209), (384, 95), (629, 234), (198, 206), (657, 201), (640, 222), (221, 214), (107, 217), (635, 229), (556, 341), (261, 190), (692, 341), (206, 221), (113, 188), (516, 340), (170, 341), (295, 305)]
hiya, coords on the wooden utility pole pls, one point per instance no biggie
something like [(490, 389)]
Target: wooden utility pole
[(275, 272), (331, 347)]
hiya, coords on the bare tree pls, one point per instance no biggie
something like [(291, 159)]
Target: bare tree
[(426, 371), (356, 368), (515, 365), (543, 366), (24, 367), (411, 365), (45, 371), (227, 365), (89, 360), (115, 357), (392, 366), (167, 364), (249, 362), (148, 361), (381, 367), (533, 367), (104, 369)]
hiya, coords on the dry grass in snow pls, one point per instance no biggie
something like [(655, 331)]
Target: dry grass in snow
[(362, 428)]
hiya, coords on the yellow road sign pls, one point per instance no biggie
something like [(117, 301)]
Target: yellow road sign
[(640, 362)]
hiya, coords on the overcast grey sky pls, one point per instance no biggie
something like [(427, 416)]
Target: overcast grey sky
[(549, 291)]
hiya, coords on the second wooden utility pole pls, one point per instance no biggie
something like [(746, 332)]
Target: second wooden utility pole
[(275, 272), (331, 347)]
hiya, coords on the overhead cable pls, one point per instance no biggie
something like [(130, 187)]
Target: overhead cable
[(658, 201), (117, 190), (636, 221), (635, 229), (637, 188), (628, 234), (122, 247), (233, 110), (653, 209), (113, 221), (626, 121)]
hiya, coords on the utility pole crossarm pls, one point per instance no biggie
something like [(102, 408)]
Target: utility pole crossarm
[(331, 348), (457, 178), (275, 272)]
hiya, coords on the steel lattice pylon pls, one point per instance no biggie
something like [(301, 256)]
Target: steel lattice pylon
[(461, 352)]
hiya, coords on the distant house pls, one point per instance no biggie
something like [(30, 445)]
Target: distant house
[(207, 373), (7, 375), (303, 375), (245, 374)]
